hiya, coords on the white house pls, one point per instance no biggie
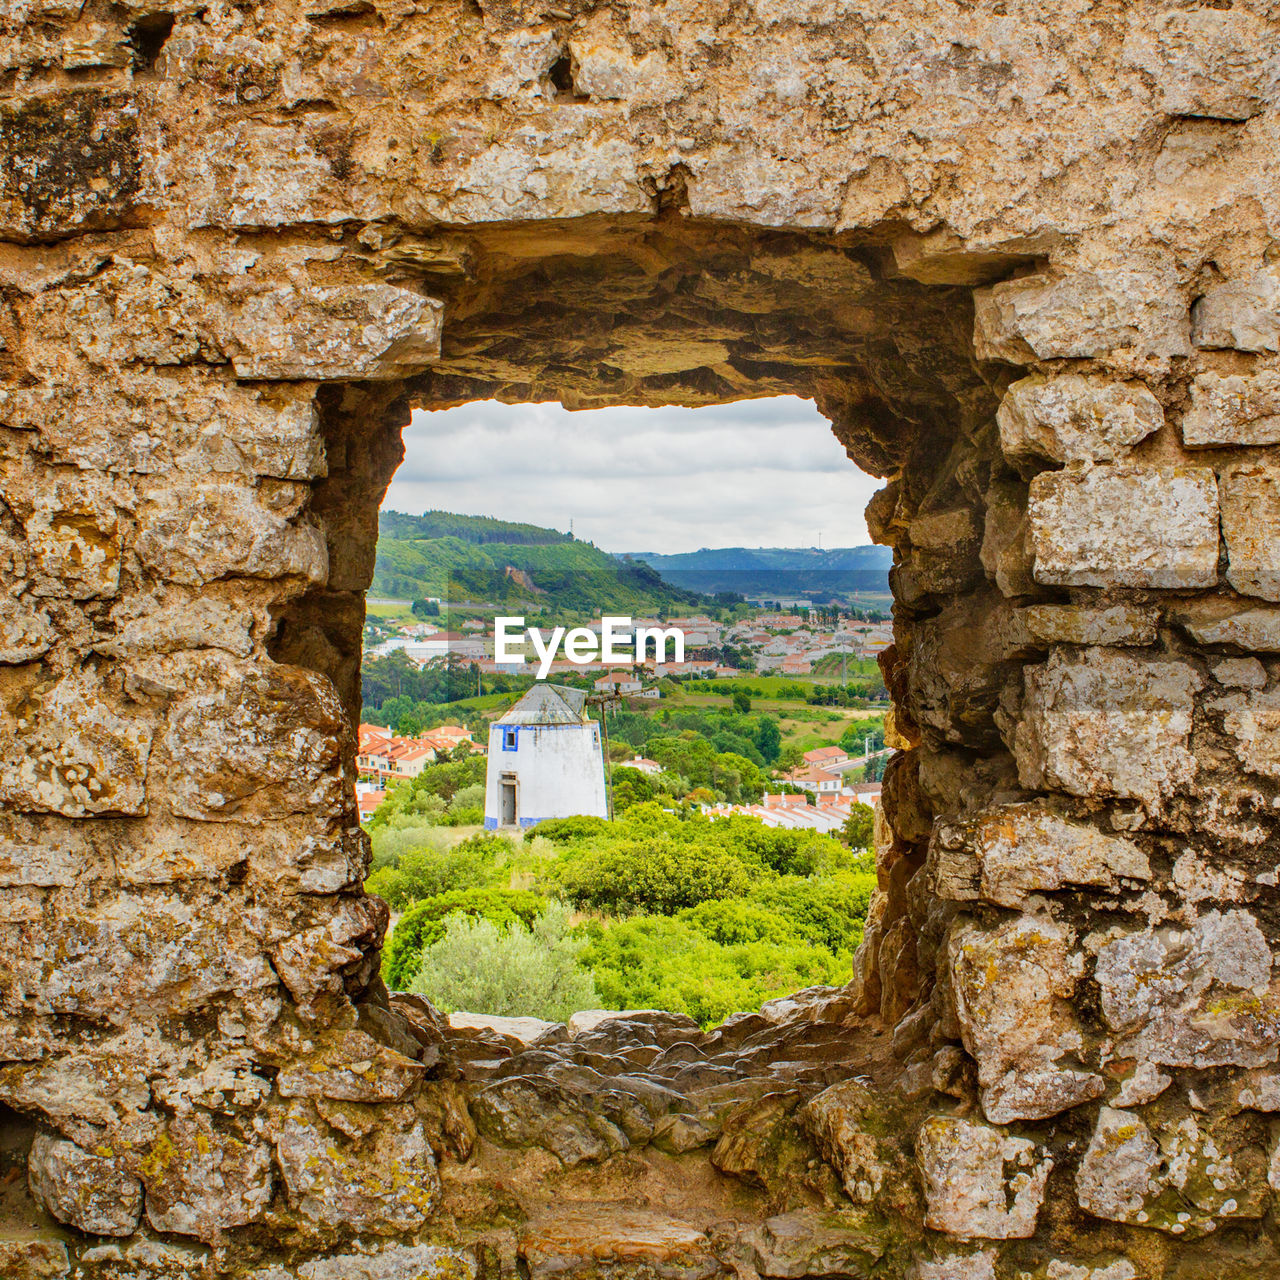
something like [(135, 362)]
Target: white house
[(545, 761)]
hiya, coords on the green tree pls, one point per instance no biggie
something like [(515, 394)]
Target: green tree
[(741, 701), (859, 827), (424, 924), (514, 971), (769, 739), (426, 608)]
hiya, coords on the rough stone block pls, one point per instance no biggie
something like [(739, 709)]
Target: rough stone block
[(384, 1184), (202, 1180), (249, 744), (361, 331), (1073, 418), (1181, 1178), (1199, 997), (1233, 410), (1097, 722), (25, 632), (219, 529), (1254, 629), (1004, 855), (1250, 497), (1013, 986), (609, 1240), (395, 1262), (144, 955), (1216, 63), (814, 1242), (1240, 673), (1126, 526), (1118, 624), (89, 1192), (1080, 316), (855, 1133), (980, 1183), (34, 1259), (69, 163), (1253, 720), (1240, 315), (311, 963), (348, 1066), (74, 747)]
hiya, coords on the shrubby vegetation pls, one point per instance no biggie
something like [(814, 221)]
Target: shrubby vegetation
[(661, 908)]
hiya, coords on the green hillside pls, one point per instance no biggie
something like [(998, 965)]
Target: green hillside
[(476, 558)]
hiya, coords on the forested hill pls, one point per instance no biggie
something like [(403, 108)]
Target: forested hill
[(784, 571), (476, 558)]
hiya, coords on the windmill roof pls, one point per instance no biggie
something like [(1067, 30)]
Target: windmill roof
[(548, 704)]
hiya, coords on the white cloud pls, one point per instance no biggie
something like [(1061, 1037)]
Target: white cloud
[(753, 473)]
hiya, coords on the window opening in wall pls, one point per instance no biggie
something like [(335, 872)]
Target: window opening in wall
[(709, 850)]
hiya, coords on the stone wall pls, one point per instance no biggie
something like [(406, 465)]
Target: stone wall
[(1024, 256)]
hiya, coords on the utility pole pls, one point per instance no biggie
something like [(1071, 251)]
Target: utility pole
[(603, 701)]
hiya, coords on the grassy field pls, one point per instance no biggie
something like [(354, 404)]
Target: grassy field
[(402, 612)]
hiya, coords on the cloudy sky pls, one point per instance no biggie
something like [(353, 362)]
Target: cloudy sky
[(759, 473)]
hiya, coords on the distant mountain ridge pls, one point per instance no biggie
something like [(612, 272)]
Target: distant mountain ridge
[(783, 571), (480, 559)]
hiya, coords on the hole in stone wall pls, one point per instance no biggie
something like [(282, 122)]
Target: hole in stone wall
[(148, 36), (679, 313), (771, 720), (561, 77)]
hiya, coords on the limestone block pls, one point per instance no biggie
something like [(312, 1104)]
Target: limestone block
[(1073, 418), (608, 73), (72, 527), (319, 332), (959, 1266), (811, 1242), (1257, 629), (395, 1262), (527, 1111), (1097, 722), (381, 1185), (100, 1089), (348, 1066), (1005, 553), (217, 529), (1250, 496), (1205, 62), (255, 173), (41, 864), (615, 1241), (1118, 624), (202, 1180), (136, 955), (1199, 997), (1179, 1177), (1089, 314), (34, 1259), (74, 746), (69, 163), (25, 631), (1240, 673), (1125, 526), (1241, 315), (980, 1183), (1233, 409), (562, 170), (147, 422), (178, 621), (1253, 720), (89, 1192), (250, 743), (131, 314), (856, 1134), (310, 963), (1003, 855), (1013, 986)]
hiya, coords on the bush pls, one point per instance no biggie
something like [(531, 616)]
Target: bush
[(423, 925), (824, 912), (650, 962), (514, 971), (565, 830), (425, 873), (659, 875)]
